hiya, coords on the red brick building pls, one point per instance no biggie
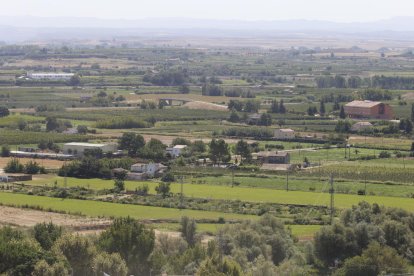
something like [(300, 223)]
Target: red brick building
[(368, 109)]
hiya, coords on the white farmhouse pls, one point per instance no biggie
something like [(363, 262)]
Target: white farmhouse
[(176, 150), (50, 76), (78, 149), (150, 170), (284, 133)]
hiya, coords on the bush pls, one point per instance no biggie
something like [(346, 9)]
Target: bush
[(31, 167), (14, 166), (163, 189), (384, 154), (4, 111), (5, 151), (168, 177)]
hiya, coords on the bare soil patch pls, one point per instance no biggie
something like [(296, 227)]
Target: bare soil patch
[(28, 218), (205, 106), (20, 217)]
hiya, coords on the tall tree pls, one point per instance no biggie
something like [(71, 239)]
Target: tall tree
[(131, 142), (412, 112), (243, 149), (132, 240), (219, 151), (274, 107), (52, 124), (322, 108), (4, 111), (342, 114), (154, 150), (282, 108), (188, 228), (265, 120), (79, 252), (46, 234)]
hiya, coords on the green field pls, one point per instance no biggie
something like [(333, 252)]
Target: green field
[(104, 209), (251, 194), (304, 231)]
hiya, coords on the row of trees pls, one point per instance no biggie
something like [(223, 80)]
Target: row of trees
[(366, 240), (382, 82), (249, 106), (31, 167), (127, 247)]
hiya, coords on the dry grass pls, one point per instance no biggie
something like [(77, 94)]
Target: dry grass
[(47, 163)]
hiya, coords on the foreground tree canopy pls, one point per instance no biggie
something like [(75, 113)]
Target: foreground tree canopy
[(368, 240)]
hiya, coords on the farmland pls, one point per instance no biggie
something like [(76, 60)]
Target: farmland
[(187, 131), (103, 209), (247, 194)]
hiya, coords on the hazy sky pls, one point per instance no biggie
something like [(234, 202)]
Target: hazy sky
[(333, 10)]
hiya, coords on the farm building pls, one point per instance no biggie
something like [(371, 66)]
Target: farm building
[(13, 177), (176, 151), (27, 149), (284, 133), (50, 76), (368, 109), (150, 170), (78, 149), (253, 119), (273, 157), (361, 126)]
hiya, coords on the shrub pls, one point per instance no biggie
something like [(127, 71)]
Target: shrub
[(14, 166), (384, 154)]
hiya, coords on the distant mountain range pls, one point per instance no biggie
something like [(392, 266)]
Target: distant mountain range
[(30, 27)]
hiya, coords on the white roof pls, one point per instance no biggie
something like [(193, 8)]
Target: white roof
[(285, 130), (363, 124), (366, 104), (180, 146), (51, 74), (85, 144)]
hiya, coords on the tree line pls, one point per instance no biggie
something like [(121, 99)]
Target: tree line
[(381, 82)]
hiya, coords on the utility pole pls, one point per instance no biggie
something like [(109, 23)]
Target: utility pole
[(332, 191), (182, 193), (345, 149), (319, 169), (365, 176), (287, 180), (65, 180), (232, 176)]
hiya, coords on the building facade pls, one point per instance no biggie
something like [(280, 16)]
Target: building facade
[(150, 170), (50, 76), (78, 149), (273, 157), (176, 151), (368, 109), (284, 133)]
